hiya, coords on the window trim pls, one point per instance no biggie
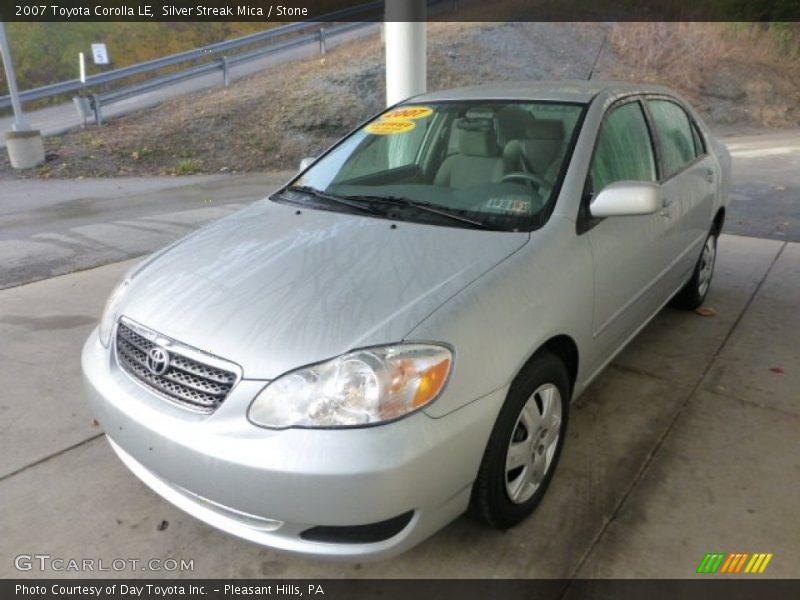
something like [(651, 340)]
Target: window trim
[(697, 136), (584, 221), (692, 125)]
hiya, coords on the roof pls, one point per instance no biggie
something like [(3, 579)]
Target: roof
[(564, 91)]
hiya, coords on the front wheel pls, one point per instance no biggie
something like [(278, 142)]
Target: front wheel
[(525, 445), (694, 293)]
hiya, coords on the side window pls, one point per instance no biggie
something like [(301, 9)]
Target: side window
[(624, 150), (675, 133)]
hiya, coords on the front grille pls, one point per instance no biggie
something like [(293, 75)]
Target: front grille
[(187, 381)]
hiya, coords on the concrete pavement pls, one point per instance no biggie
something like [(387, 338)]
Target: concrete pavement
[(687, 444), (53, 227), (765, 197)]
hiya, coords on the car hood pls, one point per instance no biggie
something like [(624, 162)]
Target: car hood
[(275, 287)]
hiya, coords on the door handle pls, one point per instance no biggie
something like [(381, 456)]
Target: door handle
[(709, 175), (665, 204)]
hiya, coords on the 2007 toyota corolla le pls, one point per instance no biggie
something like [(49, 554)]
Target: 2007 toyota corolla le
[(395, 337)]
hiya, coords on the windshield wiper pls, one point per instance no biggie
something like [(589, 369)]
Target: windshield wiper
[(423, 206), (352, 203)]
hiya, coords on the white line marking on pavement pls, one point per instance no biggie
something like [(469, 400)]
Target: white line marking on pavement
[(765, 151)]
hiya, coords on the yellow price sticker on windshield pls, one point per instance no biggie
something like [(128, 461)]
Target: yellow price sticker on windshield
[(389, 127), (408, 112)]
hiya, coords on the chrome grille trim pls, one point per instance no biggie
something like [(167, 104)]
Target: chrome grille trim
[(194, 380)]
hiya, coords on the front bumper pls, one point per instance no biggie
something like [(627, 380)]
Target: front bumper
[(270, 486)]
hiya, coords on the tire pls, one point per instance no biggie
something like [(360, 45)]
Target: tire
[(503, 495), (694, 293)]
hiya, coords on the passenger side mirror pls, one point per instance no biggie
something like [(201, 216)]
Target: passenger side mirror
[(625, 199), (306, 162)]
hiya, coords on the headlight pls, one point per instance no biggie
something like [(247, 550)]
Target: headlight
[(110, 312), (360, 388)]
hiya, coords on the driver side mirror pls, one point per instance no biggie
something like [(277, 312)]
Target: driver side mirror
[(625, 199), (306, 162)]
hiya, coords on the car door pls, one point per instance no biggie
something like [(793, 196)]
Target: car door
[(629, 253), (688, 183)]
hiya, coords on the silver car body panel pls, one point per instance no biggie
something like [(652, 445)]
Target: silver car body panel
[(272, 290)]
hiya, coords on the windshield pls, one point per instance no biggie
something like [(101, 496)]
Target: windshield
[(492, 164)]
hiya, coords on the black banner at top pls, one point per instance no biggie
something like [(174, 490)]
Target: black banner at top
[(361, 10)]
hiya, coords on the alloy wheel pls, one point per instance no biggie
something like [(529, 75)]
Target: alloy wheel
[(533, 443), (706, 265)]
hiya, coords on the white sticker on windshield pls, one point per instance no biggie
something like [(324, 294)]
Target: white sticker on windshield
[(510, 204)]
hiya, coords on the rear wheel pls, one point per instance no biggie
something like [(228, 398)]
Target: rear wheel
[(696, 289), (525, 445)]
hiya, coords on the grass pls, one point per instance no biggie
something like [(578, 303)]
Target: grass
[(141, 152), (188, 166), (684, 54)]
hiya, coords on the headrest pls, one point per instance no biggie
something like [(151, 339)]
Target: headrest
[(479, 112), (512, 123), (476, 137), (545, 129)]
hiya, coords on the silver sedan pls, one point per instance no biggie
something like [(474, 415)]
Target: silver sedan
[(395, 336)]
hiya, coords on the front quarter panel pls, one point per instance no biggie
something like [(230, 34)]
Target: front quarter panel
[(500, 320)]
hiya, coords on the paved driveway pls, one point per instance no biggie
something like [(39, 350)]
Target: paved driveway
[(765, 199), (53, 227)]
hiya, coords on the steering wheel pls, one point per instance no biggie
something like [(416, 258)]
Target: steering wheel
[(535, 179)]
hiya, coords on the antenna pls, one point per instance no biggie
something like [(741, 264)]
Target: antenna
[(597, 57)]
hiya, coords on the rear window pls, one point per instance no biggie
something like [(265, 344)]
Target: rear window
[(676, 135)]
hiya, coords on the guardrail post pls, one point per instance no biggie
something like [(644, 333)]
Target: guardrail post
[(98, 112), (226, 75), (322, 47), (83, 105)]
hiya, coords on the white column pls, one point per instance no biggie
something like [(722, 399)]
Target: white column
[(11, 80), (23, 144), (405, 37)]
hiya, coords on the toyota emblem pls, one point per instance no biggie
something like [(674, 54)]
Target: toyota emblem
[(158, 360)]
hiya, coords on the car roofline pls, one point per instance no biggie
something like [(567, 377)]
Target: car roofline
[(553, 91)]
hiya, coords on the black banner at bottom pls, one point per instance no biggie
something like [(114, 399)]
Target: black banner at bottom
[(405, 589)]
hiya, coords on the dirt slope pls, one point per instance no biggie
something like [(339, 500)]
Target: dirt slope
[(271, 120)]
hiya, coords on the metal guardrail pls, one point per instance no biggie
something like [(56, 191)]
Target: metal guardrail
[(223, 64), (369, 11)]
